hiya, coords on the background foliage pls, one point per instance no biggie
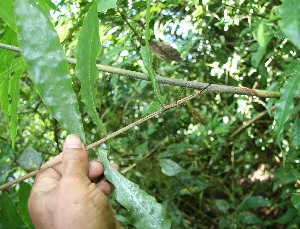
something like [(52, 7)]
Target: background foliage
[(202, 161)]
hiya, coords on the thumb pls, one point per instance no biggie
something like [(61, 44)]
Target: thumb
[(74, 157)]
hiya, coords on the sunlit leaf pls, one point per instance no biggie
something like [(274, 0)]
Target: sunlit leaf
[(222, 205), (6, 56), (24, 193), (287, 94), (296, 201), (144, 211), (7, 13), (14, 86), (47, 65), (290, 21), (9, 216), (264, 34), (4, 95), (87, 51), (104, 5)]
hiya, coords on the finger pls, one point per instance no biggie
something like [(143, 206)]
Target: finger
[(105, 186), (95, 170), (74, 158), (50, 176), (116, 166)]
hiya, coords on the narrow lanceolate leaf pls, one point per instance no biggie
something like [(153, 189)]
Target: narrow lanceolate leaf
[(147, 57), (24, 193), (7, 13), (290, 21), (47, 64), (14, 86), (87, 50), (290, 89), (143, 209), (296, 134)]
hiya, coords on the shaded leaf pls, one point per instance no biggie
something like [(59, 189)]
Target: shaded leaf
[(165, 51), (147, 57), (290, 89), (143, 209), (170, 167), (24, 193), (253, 202), (47, 65), (30, 159), (222, 205), (87, 50), (9, 216), (249, 218), (104, 5), (296, 134), (7, 13), (290, 21), (296, 201), (289, 216), (147, 60)]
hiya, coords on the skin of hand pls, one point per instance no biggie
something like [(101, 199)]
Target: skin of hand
[(73, 194)]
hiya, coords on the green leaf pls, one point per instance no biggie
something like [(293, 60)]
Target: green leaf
[(296, 201), (30, 159), (143, 209), (47, 65), (104, 5), (147, 57), (290, 89), (7, 13), (6, 56), (253, 202), (87, 50), (24, 193), (290, 21), (154, 106), (4, 95), (9, 216), (170, 167), (264, 34), (14, 86), (249, 218), (296, 134), (222, 205)]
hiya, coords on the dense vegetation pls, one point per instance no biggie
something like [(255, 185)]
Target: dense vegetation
[(226, 159)]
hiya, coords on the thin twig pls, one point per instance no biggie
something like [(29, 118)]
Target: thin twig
[(259, 116), (55, 162), (214, 88)]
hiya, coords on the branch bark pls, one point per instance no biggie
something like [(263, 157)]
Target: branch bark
[(214, 88), (52, 163)]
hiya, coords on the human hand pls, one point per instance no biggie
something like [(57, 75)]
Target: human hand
[(64, 196)]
